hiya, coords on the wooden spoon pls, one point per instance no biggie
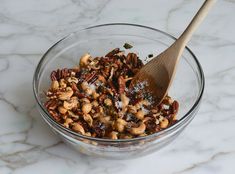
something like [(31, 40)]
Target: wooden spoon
[(160, 71)]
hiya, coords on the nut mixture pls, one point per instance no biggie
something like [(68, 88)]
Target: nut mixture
[(94, 99)]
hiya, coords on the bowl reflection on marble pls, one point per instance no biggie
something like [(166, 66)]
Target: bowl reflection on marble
[(187, 87)]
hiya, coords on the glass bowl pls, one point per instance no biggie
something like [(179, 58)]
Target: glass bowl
[(187, 87)]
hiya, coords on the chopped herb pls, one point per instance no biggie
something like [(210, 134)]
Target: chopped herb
[(127, 46)]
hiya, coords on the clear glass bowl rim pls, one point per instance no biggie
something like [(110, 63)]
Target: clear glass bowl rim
[(162, 132)]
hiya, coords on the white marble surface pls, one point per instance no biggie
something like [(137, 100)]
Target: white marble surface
[(29, 27)]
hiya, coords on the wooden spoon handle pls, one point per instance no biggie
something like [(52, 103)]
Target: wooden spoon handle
[(196, 21)]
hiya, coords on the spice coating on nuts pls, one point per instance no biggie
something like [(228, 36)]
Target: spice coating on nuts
[(94, 99)]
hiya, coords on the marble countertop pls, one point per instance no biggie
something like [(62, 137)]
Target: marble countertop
[(29, 27)]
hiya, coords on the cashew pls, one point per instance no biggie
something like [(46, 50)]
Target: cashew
[(66, 95), (78, 128), (154, 111), (88, 134), (54, 84), (140, 114), (160, 118), (125, 101), (86, 108), (92, 111), (101, 109), (84, 59), (132, 109), (95, 95), (146, 119), (108, 102), (156, 115), (120, 125), (72, 79), (138, 105), (95, 103), (67, 122), (105, 120), (71, 114), (113, 135), (88, 91), (63, 83), (62, 110), (84, 85), (157, 121), (138, 130), (73, 73), (88, 119), (164, 123), (71, 103), (145, 102), (143, 134), (85, 100)]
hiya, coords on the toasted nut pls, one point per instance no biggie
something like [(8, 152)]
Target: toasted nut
[(160, 118), (138, 105), (113, 135), (121, 121), (95, 103), (84, 59), (71, 114), (62, 110), (105, 120), (85, 100), (108, 102), (66, 95), (142, 135), (69, 89), (145, 102), (86, 108), (78, 128), (92, 111), (174, 117), (84, 85), (67, 122), (167, 100), (88, 134), (139, 130), (63, 83), (164, 123), (157, 121), (72, 79), (88, 91), (125, 101), (101, 78), (54, 84), (175, 107), (73, 73), (154, 111), (132, 109), (71, 103), (95, 95), (156, 115), (140, 114), (120, 125), (146, 119), (88, 119), (101, 109), (127, 137)]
